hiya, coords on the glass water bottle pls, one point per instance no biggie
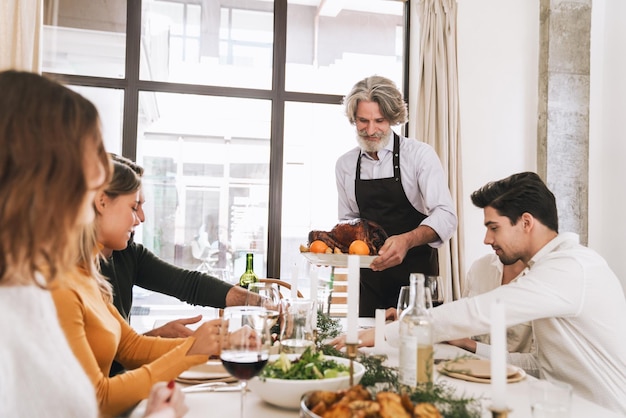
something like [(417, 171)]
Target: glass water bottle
[(248, 276), (416, 337)]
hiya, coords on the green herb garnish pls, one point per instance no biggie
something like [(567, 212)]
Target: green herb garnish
[(327, 328)]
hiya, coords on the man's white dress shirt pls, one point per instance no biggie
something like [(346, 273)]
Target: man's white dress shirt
[(578, 311)]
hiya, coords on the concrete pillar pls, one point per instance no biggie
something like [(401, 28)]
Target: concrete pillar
[(563, 114)]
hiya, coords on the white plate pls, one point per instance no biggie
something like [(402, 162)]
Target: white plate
[(475, 370), (337, 260), (212, 369)]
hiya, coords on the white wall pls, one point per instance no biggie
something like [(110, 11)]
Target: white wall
[(607, 168), (498, 47)]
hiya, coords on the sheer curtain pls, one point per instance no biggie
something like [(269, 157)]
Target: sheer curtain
[(20, 35), (434, 109)]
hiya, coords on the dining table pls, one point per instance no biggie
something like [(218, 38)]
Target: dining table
[(226, 403)]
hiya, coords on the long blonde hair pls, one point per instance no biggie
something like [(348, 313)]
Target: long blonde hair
[(45, 130), (89, 260)]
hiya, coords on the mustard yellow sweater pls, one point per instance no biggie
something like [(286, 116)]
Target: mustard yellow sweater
[(98, 334)]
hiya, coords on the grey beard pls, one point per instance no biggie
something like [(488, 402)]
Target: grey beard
[(368, 146)]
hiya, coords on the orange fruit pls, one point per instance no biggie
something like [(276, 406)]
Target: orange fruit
[(359, 247), (318, 246)]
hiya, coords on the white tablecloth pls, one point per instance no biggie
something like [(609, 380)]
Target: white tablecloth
[(226, 404)]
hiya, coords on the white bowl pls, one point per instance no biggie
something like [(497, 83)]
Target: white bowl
[(287, 393)]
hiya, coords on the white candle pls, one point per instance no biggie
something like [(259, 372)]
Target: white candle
[(314, 282), (294, 281), (379, 332), (352, 335), (498, 356), (314, 285)]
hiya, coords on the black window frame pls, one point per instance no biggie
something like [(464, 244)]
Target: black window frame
[(132, 85)]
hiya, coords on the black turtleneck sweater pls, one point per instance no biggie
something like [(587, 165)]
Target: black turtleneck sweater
[(136, 265)]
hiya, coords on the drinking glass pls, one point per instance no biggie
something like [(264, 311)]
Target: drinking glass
[(435, 284), (324, 294), (403, 299), (296, 333), (267, 296), (245, 344), (550, 399)]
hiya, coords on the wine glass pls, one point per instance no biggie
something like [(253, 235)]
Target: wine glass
[(435, 284), (267, 296), (296, 333), (244, 344), (403, 299)]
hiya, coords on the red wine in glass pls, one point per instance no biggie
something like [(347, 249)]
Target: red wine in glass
[(244, 366), (245, 342)]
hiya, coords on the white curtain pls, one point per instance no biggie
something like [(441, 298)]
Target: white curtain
[(20, 34), (434, 111)]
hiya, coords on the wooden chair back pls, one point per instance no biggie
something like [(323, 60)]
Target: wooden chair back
[(339, 296), (281, 284)]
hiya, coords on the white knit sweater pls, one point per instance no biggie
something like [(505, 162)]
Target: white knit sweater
[(39, 375)]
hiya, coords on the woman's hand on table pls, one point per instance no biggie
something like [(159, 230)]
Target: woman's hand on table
[(366, 339), (166, 401), (207, 339), (175, 329)]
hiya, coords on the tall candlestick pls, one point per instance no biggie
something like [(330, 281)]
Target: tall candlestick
[(314, 282), (379, 332), (498, 356), (294, 281), (314, 285), (352, 334)]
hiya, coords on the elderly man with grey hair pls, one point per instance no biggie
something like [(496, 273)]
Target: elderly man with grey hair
[(398, 183)]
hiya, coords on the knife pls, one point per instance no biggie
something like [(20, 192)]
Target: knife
[(213, 387)]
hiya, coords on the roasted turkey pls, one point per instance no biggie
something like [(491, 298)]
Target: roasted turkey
[(342, 235)]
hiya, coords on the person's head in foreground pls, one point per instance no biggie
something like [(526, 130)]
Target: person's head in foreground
[(51, 165)]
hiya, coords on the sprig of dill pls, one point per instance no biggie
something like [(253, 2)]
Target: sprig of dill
[(375, 371), (327, 328), (446, 400)]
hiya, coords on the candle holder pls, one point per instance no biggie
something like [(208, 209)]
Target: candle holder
[(351, 349), (381, 357), (499, 413)]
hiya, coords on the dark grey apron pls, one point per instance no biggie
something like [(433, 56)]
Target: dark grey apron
[(384, 202)]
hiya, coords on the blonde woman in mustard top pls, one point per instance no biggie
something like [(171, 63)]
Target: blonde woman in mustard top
[(98, 334)]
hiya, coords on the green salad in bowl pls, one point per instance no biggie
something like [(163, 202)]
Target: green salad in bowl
[(287, 377), (310, 365)]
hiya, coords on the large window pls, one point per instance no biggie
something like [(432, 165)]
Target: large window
[(233, 107)]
